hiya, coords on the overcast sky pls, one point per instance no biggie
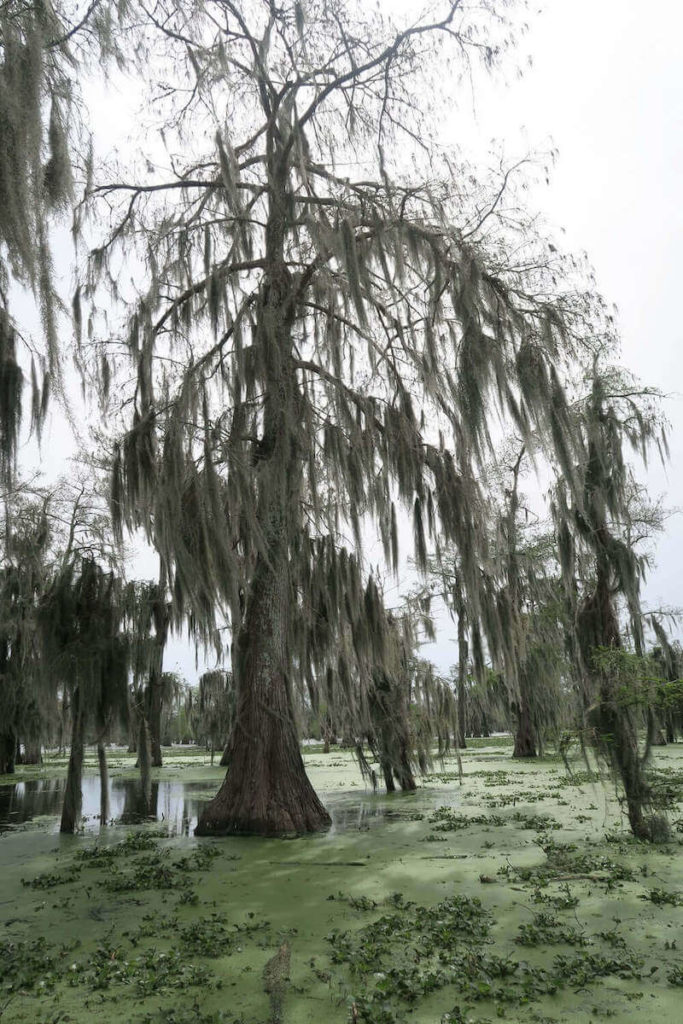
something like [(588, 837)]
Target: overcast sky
[(606, 89)]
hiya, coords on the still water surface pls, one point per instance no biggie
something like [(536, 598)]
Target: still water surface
[(176, 804)]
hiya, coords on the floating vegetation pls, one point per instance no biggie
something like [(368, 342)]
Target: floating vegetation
[(664, 897), (446, 819), (546, 930)]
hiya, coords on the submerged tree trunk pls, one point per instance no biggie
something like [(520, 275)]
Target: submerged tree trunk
[(104, 782), (266, 790), (73, 797)]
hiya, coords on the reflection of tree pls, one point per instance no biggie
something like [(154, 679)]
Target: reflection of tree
[(27, 800), (137, 804)]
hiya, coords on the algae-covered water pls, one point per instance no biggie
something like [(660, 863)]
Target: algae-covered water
[(515, 894)]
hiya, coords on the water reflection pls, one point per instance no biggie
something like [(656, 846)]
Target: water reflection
[(174, 803), (177, 805)]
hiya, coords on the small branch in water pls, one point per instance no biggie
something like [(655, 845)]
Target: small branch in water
[(320, 863)]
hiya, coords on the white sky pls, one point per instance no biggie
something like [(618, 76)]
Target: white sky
[(606, 89)]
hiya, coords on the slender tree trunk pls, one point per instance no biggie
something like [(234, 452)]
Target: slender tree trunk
[(73, 796), (145, 761), (388, 776), (156, 686), (154, 719), (8, 749), (525, 736), (670, 733), (614, 727), (104, 782), (463, 651)]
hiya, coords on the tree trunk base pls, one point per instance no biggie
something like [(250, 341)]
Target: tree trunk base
[(264, 804), (523, 751)]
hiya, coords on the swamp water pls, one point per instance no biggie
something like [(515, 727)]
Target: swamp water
[(515, 895)]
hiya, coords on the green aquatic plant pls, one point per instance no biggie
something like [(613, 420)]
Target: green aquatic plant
[(51, 879), (149, 972), (208, 937), (663, 897), (446, 819), (536, 822), (546, 930), (31, 965), (675, 975), (580, 969)]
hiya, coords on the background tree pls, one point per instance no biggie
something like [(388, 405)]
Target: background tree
[(215, 708), (591, 521), (80, 623)]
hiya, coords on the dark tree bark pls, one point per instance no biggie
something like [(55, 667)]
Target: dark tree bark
[(404, 773), (525, 734), (145, 760), (463, 652), (73, 796), (33, 753), (155, 688), (670, 732), (266, 790), (388, 774), (104, 782), (154, 718), (615, 730), (8, 751)]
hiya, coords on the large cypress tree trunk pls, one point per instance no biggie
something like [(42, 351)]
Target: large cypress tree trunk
[(73, 797), (266, 790)]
